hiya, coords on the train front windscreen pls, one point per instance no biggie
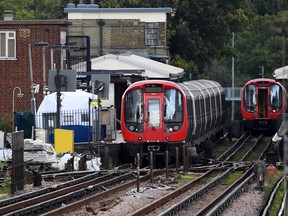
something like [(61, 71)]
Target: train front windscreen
[(154, 108)]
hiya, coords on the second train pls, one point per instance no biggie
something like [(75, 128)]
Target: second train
[(263, 102)]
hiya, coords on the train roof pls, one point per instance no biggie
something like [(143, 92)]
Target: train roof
[(262, 80), (192, 88), (198, 88)]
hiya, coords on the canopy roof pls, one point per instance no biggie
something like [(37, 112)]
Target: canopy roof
[(130, 62)]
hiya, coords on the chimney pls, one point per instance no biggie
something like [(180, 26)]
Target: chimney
[(8, 15)]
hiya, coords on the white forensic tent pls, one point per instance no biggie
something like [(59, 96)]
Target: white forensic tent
[(69, 101), (74, 114)]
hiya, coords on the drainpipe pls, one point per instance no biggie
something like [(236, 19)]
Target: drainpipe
[(101, 23)]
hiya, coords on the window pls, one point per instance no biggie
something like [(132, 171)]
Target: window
[(7, 44), (173, 106), (151, 34), (275, 97), (134, 106), (154, 112), (250, 98)]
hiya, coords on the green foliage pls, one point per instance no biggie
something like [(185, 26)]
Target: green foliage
[(6, 188), (34, 9), (270, 7), (202, 30), (50, 9), (136, 3), (256, 47), (188, 177), (189, 67), (22, 8), (216, 71), (5, 123), (232, 177)]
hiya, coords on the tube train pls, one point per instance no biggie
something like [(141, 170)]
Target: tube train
[(158, 115), (263, 102)]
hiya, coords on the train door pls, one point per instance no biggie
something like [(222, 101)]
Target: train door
[(154, 117), (262, 103)]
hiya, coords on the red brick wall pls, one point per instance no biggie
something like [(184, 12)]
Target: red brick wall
[(17, 72)]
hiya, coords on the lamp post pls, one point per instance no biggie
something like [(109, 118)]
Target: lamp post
[(33, 86), (233, 80), (20, 94)]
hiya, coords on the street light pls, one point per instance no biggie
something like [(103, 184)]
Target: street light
[(33, 86), (20, 94)]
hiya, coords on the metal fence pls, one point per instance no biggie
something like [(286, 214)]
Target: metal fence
[(80, 121)]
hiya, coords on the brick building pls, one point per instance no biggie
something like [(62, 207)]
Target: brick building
[(109, 30), (118, 30), (16, 35)]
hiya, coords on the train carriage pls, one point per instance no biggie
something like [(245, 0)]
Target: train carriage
[(159, 115), (263, 101)]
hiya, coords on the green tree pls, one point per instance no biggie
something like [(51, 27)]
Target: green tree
[(50, 9), (201, 31), (270, 7), (257, 47), (34, 9), (22, 8)]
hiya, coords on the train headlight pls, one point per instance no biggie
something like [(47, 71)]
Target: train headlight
[(139, 138), (170, 129), (167, 138), (131, 128), (176, 127)]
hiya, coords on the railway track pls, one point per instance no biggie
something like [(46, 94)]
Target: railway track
[(47, 199), (204, 194), (210, 182)]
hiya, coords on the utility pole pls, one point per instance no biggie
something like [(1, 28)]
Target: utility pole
[(58, 100), (233, 103)]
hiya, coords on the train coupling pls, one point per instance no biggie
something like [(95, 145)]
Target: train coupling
[(153, 148)]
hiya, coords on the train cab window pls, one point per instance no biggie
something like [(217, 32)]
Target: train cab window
[(173, 106), (250, 98), (154, 112), (275, 97), (134, 106)]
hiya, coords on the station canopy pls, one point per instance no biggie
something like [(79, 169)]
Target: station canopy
[(145, 67)]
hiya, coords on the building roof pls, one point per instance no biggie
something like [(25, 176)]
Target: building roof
[(88, 8), (92, 11), (35, 22), (135, 64)]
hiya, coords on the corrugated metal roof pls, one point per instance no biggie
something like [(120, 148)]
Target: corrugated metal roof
[(151, 69)]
